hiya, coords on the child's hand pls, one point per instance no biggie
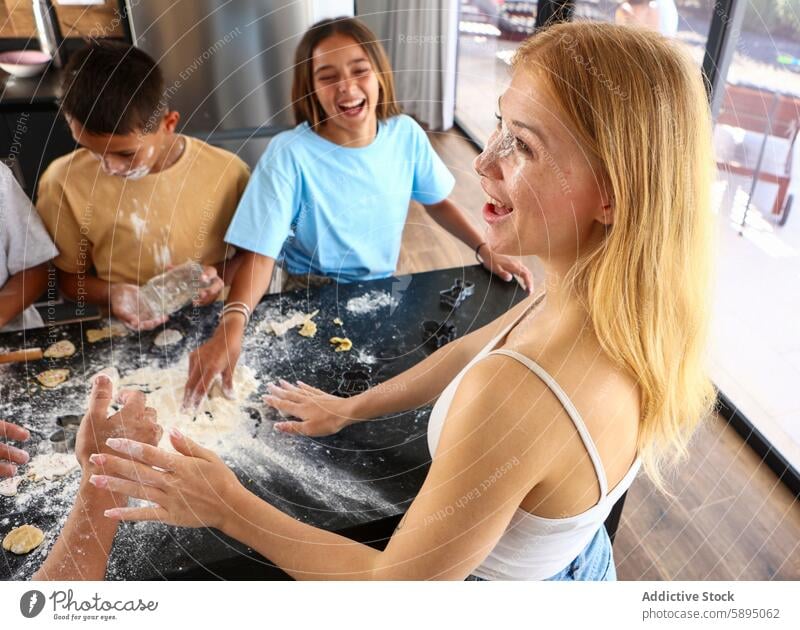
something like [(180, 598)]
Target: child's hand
[(215, 285), (135, 421), (507, 267), (125, 307), (216, 358), (10, 455)]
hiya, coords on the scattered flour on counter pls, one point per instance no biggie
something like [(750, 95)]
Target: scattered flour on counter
[(366, 358), (370, 302)]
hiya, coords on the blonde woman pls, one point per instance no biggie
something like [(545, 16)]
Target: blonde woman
[(542, 417)]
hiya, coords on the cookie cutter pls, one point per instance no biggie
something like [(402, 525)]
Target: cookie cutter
[(455, 295), (437, 334), (69, 421), (63, 440), (354, 381)]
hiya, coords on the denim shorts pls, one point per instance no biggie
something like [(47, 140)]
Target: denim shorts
[(594, 564)]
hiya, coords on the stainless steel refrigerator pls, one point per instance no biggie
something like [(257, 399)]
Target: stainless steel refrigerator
[(227, 64)]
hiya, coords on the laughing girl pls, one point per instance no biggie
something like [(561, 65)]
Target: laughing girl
[(329, 198)]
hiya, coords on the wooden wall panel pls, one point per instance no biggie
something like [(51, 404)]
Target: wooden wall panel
[(16, 20)]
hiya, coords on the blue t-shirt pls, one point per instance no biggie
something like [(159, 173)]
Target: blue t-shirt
[(338, 211)]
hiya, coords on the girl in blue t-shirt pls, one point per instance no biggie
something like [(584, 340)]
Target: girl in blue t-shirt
[(328, 199)]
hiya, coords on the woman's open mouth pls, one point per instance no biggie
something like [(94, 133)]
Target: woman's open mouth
[(494, 211), (352, 108)]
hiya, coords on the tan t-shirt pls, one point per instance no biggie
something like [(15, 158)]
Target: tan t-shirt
[(130, 230)]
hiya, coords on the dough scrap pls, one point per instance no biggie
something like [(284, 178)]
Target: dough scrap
[(8, 487), (52, 378), (98, 334), (51, 465), (279, 329), (167, 337), (343, 344), (308, 329), (338, 321), (60, 350), (23, 539)]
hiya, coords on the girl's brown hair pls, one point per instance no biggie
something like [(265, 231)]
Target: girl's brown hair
[(305, 104)]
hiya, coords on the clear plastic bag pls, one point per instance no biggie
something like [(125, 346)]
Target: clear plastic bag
[(171, 291)]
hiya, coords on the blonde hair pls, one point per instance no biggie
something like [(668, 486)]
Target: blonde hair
[(305, 105), (638, 104)]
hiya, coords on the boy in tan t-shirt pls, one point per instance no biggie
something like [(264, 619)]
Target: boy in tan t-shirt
[(137, 197)]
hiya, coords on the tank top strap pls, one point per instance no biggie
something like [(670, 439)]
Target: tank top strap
[(572, 412)]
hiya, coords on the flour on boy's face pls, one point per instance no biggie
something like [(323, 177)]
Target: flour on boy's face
[(132, 155)]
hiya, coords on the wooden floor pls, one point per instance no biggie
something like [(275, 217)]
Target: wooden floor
[(729, 518)]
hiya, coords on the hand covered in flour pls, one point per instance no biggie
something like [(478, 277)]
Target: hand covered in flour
[(134, 421), (317, 413), (215, 359), (11, 455), (125, 307), (506, 267), (214, 287), (193, 488)]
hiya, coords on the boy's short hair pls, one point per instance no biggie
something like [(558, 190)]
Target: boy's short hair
[(113, 88)]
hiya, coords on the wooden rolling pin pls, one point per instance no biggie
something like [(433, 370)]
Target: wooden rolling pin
[(28, 354)]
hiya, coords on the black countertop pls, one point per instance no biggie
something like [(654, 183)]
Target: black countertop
[(358, 482), (40, 92)]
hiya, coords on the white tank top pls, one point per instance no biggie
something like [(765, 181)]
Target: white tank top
[(534, 547)]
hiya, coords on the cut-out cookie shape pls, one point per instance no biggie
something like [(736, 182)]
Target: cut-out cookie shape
[(60, 350), (23, 539), (167, 337), (52, 378), (98, 334)]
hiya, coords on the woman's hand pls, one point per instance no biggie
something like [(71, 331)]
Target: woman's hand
[(215, 358), (193, 488), (213, 288), (134, 421), (318, 413), (506, 267), (11, 455)]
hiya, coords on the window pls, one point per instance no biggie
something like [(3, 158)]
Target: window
[(756, 345), (489, 33)]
